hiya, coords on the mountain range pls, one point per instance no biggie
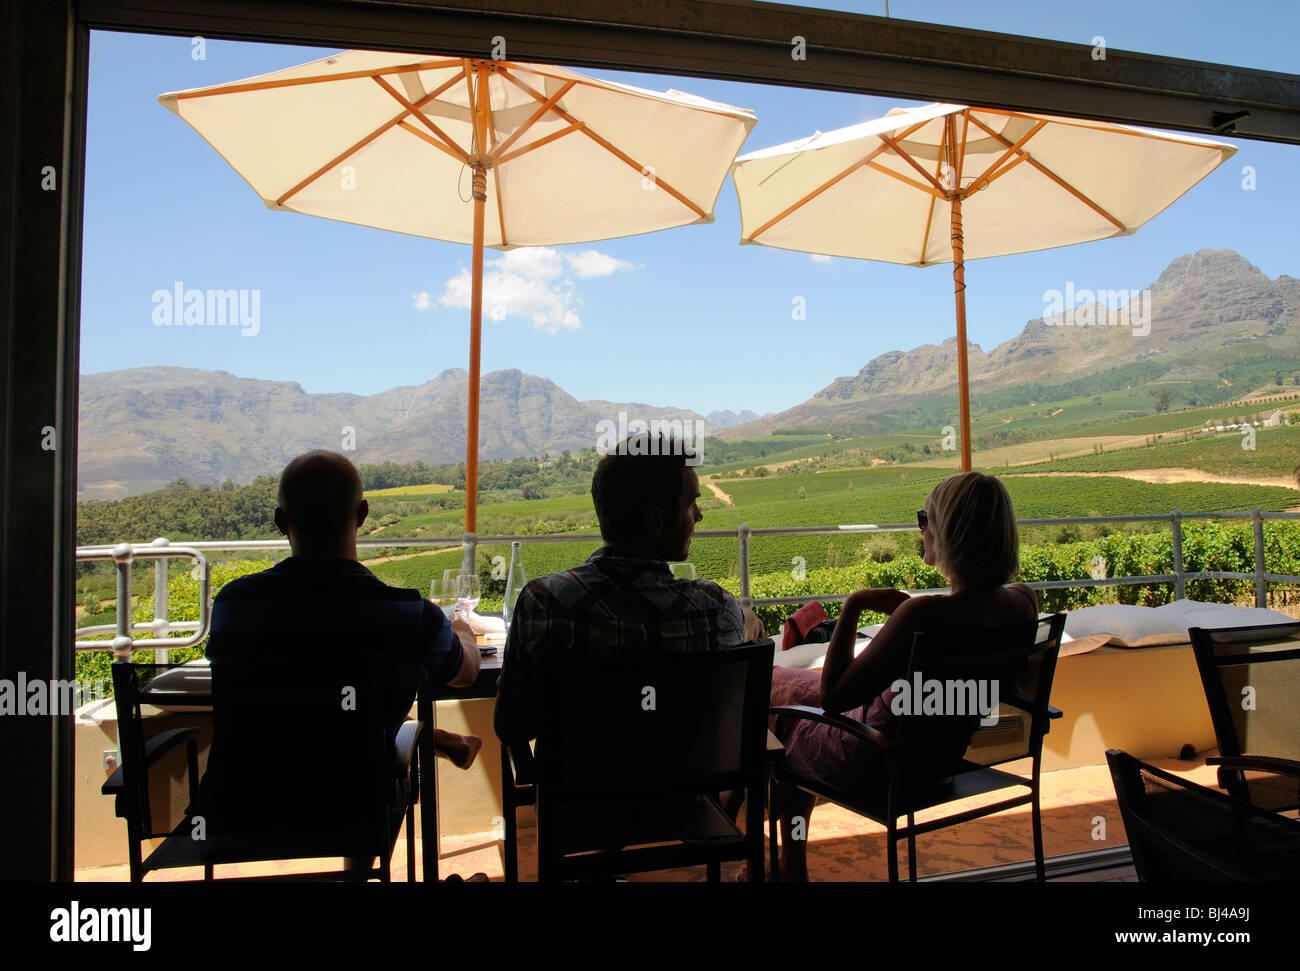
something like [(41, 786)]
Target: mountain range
[(143, 427), (220, 426), (1204, 312)]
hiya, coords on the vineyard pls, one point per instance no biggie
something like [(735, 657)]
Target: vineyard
[(1276, 453)]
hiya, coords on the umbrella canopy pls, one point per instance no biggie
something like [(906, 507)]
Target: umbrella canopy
[(490, 153), (944, 183)]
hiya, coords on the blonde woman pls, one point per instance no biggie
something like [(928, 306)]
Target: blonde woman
[(969, 530)]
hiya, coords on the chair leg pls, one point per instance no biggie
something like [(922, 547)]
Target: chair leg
[(774, 857), (713, 872), (911, 848), (891, 840), (207, 871), (410, 843), (754, 829), (1040, 870)]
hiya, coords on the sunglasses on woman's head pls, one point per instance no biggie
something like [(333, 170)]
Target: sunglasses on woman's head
[(921, 518)]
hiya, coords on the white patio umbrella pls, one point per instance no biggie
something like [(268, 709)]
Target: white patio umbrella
[(1004, 182), (491, 153)]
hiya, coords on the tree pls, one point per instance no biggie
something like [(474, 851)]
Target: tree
[(1162, 403)]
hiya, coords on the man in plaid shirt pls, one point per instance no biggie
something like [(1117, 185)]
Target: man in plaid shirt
[(624, 598)]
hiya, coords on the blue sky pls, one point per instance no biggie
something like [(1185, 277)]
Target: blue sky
[(341, 308)]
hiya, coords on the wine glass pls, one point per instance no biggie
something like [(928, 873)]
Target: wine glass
[(683, 571), (444, 592), (469, 590)]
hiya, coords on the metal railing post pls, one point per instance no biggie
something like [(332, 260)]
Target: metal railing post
[(1180, 582), (121, 642), (1261, 585), (160, 625), (471, 552), (742, 539)]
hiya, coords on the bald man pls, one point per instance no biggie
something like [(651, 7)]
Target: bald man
[(323, 587)]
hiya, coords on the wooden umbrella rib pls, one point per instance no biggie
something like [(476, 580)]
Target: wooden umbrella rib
[(347, 152), (501, 213), (902, 178), (903, 154), (474, 147), (818, 191), (294, 82), (961, 157), (533, 118), (545, 140), (987, 180), (414, 109), (729, 111), (983, 180), (1056, 178), (1104, 127), (616, 152), (929, 216), (459, 156)]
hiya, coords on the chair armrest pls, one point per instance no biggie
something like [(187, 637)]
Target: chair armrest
[(1259, 763), (408, 735), (154, 749), (855, 728), (1026, 704)]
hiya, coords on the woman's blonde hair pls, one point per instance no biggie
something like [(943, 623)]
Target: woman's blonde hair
[(973, 527)]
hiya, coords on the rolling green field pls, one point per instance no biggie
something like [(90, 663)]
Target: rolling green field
[(877, 496), (410, 492), (1276, 453)]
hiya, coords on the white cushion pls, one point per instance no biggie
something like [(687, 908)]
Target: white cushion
[(1127, 625)]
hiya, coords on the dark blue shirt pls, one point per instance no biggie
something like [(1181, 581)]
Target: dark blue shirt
[(275, 613)]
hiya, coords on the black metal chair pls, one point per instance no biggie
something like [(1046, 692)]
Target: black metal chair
[(916, 774), (1180, 832), (631, 758), (1254, 698), (301, 766)]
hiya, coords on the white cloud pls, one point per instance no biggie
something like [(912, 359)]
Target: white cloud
[(421, 301), (592, 263), (819, 257), (530, 282)]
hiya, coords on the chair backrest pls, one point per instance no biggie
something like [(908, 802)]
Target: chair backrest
[(134, 687), (300, 750), (1251, 677), (955, 681), (1180, 832), (627, 728)]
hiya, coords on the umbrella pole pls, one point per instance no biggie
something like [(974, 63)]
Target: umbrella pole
[(475, 343), (479, 190), (959, 291)]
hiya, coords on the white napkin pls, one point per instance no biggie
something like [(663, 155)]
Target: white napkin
[(485, 625)]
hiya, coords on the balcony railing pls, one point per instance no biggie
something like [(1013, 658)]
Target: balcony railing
[(161, 550)]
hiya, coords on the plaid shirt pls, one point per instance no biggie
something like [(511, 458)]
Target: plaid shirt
[(610, 605)]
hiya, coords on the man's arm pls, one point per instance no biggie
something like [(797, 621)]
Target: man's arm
[(467, 673), (452, 657)]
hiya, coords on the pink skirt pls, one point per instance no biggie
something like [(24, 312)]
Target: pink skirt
[(822, 753)]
